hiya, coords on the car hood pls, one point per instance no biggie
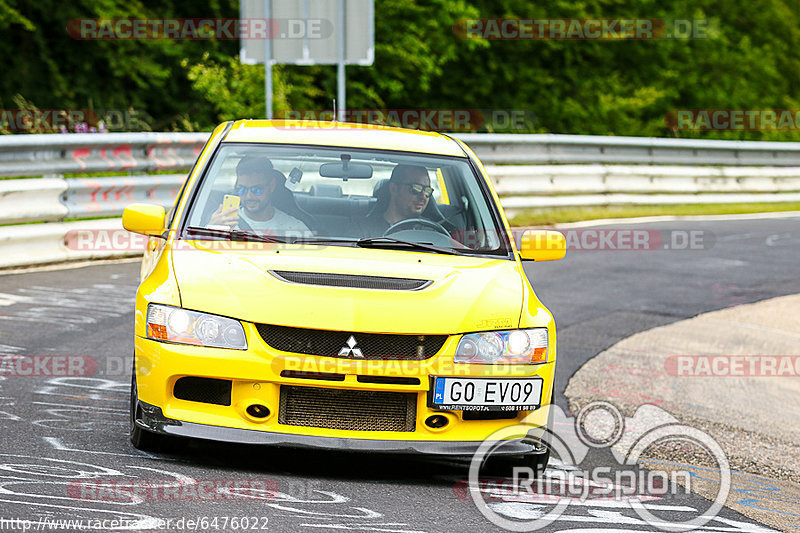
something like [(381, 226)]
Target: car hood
[(466, 293)]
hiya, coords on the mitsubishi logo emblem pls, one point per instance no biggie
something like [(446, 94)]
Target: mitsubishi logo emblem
[(351, 349)]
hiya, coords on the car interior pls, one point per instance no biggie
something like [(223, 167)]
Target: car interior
[(328, 211)]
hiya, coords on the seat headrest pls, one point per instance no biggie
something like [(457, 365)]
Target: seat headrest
[(326, 189), (381, 188)]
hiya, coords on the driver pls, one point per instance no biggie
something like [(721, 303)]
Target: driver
[(409, 192), (255, 183)]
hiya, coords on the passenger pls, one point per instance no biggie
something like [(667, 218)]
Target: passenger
[(255, 182), (409, 192)]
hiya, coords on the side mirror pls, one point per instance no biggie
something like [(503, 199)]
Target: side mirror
[(146, 219), (542, 245)]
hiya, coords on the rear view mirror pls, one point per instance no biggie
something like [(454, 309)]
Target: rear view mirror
[(353, 170), (345, 170)]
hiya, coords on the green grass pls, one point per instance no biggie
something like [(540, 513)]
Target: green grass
[(559, 215), (107, 173)]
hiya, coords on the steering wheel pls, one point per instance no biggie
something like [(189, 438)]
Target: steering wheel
[(412, 223)]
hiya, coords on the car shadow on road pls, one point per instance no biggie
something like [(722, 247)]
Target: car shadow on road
[(321, 464)]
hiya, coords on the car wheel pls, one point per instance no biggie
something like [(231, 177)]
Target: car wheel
[(140, 438), (537, 462)]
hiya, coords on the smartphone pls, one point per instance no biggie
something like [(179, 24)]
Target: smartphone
[(230, 201)]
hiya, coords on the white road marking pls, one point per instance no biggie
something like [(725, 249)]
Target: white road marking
[(13, 298), (523, 511), (671, 218), (56, 443), (367, 528), (774, 238)]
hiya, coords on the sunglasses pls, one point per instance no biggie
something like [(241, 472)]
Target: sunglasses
[(257, 190), (417, 188)]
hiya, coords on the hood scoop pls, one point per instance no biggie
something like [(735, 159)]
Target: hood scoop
[(351, 281)]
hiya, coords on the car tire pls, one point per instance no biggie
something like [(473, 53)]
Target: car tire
[(504, 466), (537, 462), (140, 438)]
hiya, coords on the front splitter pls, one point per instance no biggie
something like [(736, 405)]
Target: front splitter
[(152, 419)]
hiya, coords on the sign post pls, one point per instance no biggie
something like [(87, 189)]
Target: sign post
[(268, 63), (341, 79), (310, 32)]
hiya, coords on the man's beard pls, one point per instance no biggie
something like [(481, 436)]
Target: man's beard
[(257, 206)]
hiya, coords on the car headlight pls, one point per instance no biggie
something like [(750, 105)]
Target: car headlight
[(173, 324), (515, 347)]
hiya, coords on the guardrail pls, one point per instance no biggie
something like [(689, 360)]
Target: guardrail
[(511, 149), (527, 186), (527, 170), (46, 196), (32, 155)]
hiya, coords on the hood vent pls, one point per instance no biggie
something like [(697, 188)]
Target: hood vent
[(351, 281)]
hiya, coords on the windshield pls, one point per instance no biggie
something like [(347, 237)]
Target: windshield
[(345, 196)]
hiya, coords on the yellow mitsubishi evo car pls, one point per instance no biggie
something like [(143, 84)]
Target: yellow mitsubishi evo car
[(340, 286)]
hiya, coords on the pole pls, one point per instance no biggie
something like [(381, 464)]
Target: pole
[(268, 58), (340, 72)]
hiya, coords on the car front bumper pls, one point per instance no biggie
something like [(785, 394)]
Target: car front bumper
[(256, 377), (151, 418)]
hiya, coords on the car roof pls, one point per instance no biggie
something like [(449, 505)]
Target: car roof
[(343, 134)]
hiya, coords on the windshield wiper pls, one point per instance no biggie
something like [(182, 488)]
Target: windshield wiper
[(234, 234), (324, 240), (390, 242)]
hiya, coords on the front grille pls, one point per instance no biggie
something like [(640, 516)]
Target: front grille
[(362, 345), (347, 409), (204, 390), (299, 374), (387, 380), (350, 280)]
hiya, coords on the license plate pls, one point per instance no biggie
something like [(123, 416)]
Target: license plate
[(485, 394)]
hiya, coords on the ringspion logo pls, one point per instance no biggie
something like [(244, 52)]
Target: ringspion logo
[(631, 440)]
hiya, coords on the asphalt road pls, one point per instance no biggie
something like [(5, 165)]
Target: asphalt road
[(64, 439)]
